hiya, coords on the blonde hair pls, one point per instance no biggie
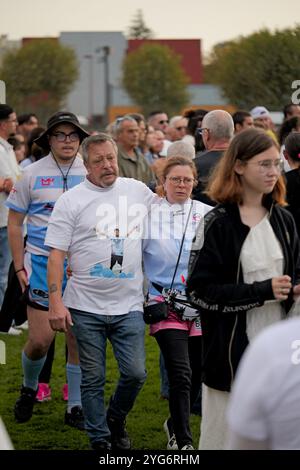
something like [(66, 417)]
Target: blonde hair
[(169, 163)]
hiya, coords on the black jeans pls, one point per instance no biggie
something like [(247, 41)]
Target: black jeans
[(182, 355)]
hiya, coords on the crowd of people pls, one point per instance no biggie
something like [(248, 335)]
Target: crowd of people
[(196, 216)]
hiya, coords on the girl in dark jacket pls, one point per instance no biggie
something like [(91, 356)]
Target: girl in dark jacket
[(243, 270)]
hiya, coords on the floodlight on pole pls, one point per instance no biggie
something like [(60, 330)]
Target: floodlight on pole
[(91, 86), (106, 52)]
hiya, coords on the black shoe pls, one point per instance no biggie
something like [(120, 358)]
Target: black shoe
[(119, 436), (101, 446), (75, 418), (24, 404)]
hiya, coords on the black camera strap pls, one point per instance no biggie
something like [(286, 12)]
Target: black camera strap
[(181, 244), (157, 286)]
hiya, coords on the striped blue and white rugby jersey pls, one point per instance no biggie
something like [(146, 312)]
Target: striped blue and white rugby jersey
[(35, 194)]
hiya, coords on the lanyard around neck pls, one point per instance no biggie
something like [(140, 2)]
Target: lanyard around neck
[(64, 176)]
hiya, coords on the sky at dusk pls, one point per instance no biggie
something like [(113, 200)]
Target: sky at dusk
[(212, 21)]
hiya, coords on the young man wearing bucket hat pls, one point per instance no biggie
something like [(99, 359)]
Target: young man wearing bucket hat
[(34, 196)]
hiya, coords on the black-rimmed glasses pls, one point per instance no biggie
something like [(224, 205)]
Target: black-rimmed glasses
[(62, 137)]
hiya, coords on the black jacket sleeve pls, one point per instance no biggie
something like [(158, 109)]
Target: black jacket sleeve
[(214, 283), (294, 243)]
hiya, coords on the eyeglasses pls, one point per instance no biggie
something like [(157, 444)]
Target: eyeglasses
[(124, 118), (201, 130), (163, 121), (266, 165), (119, 119), (62, 137), (176, 180), (180, 128)]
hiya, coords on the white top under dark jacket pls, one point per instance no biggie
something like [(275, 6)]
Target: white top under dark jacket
[(262, 258)]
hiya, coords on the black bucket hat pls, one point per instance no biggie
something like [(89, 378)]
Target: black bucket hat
[(60, 118)]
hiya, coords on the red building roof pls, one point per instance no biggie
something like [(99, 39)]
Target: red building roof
[(188, 49), (29, 39)]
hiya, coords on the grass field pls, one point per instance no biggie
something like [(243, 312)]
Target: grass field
[(46, 429)]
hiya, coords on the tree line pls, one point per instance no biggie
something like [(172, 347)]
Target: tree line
[(256, 69)]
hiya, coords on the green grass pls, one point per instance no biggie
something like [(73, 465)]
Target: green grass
[(46, 429)]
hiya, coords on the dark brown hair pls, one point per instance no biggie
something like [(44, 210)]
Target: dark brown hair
[(287, 127), (225, 184), (292, 146)]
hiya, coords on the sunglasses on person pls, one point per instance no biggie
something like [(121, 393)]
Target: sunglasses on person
[(163, 121)]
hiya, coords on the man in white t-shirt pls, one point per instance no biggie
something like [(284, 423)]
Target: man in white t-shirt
[(264, 408), (103, 300)]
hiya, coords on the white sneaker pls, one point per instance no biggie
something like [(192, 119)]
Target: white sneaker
[(13, 331), (172, 444), (187, 447), (24, 326)]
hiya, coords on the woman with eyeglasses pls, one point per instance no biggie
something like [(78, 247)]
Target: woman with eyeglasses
[(244, 270), (173, 220)]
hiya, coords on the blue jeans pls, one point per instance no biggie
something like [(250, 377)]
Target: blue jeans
[(5, 259), (126, 334)]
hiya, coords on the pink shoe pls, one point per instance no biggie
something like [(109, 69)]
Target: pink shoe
[(43, 393), (65, 392)]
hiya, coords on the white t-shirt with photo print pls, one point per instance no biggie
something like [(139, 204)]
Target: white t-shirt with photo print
[(84, 223)]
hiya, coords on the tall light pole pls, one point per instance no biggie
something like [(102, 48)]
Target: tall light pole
[(91, 87), (106, 52)]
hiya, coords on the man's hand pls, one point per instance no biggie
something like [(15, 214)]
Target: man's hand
[(23, 279), (7, 185), (59, 317)]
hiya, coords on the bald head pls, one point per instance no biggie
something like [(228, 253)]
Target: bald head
[(219, 128)]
